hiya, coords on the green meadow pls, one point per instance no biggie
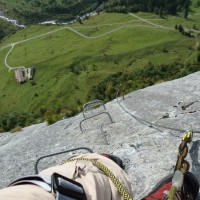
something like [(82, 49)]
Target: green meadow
[(75, 59)]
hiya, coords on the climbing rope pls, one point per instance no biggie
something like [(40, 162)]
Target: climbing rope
[(182, 166), (172, 193), (122, 191), (181, 163)]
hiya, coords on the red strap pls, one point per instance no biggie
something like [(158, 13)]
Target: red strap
[(159, 193), (105, 155)]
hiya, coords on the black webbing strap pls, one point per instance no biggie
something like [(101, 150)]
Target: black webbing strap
[(65, 187), (61, 187)]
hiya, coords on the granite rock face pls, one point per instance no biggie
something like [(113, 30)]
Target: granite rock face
[(145, 131)]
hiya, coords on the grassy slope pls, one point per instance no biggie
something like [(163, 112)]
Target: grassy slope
[(52, 55)]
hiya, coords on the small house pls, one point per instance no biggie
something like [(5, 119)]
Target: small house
[(23, 74), (20, 75), (30, 72)]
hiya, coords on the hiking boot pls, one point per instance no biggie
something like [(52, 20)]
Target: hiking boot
[(116, 159)]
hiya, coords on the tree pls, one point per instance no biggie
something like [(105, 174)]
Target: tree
[(186, 8), (180, 28), (2, 34), (80, 20), (161, 12), (198, 58)]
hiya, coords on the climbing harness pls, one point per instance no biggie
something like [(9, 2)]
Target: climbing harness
[(109, 174), (182, 166), (61, 187), (64, 188)]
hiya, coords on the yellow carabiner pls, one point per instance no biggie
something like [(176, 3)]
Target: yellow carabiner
[(187, 136)]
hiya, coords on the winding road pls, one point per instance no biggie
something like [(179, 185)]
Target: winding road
[(153, 24)]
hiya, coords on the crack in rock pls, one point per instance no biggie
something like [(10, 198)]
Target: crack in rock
[(165, 116), (182, 108)]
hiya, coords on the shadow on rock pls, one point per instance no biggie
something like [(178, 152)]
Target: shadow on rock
[(194, 153)]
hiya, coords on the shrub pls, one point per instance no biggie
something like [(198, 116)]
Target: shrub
[(9, 121), (16, 129), (198, 57), (1, 130), (75, 69), (164, 50), (78, 101), (51, 117), (33, 83), (109, 89), (67, 113)]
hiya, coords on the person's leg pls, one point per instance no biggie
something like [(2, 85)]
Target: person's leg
[(191, 184)]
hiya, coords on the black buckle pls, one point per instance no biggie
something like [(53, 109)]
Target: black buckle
[(64, 187)]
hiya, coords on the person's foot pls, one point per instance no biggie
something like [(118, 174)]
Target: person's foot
[(116, 159)]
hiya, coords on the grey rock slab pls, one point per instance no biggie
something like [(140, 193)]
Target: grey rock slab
[(149, 152)]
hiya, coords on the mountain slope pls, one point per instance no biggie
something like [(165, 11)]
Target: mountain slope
[(77, 63), (137, 135)]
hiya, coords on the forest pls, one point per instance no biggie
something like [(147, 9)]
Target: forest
[(31, 12), (160, 7), (7, 29)]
